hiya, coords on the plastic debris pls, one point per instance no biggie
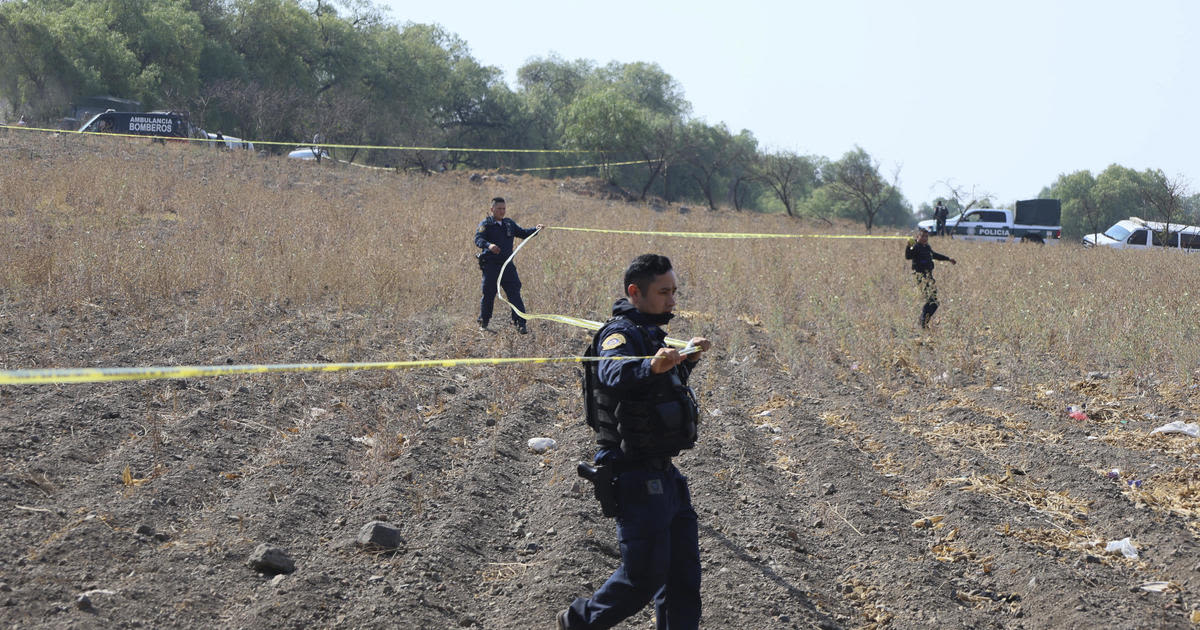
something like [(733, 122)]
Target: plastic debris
[(542, 444), (1155, 587), (1075, 413), (1125, 546), (1179, 426), (1114, 473), (1136, 484)]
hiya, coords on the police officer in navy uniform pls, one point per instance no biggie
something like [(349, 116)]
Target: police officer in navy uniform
[(922, 257), (644, 415), (494, 238), (940, 214)]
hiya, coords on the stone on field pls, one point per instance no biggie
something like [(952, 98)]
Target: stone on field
[(270, 560), (379, 534)]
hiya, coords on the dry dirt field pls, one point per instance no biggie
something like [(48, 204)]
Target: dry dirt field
[(853, 472)]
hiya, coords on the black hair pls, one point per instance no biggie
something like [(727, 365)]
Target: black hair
[(922, 230), (496, 200), (644, 269)]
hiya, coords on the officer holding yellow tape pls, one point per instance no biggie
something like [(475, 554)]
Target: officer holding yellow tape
[(644, 414), (494, 237), (922, 257)]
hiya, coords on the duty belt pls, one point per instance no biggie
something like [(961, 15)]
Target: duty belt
[(658, 464)]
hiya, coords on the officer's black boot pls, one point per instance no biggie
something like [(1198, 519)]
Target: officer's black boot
[(482, 323)]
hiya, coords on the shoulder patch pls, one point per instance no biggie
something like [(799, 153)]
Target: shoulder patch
[(615, 340)]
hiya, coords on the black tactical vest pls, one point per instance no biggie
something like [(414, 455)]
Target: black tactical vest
[(658, 420)]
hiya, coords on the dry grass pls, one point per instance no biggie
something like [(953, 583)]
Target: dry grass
[(1057, 505), (91, 221)]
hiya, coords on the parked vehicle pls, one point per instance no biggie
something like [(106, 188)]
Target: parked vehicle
[(1038, 220), (308, 153), (88, 107), (1135, 233), (221, 141), (161, 124)]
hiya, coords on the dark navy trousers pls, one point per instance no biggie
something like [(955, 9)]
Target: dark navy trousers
[(512, 289), (929, 292), (660, 556)]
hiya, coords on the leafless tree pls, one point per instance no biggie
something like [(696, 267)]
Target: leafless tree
[(1165, 196), (856, 178), (965, 199), (1091, 212), (659, 149), (788, 175)]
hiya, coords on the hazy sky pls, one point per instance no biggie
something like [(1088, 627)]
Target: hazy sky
[(999, 96)]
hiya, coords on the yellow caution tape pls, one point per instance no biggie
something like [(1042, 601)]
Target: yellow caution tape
[(97, 375), (295, 144), (552, 168), (106, 375), (594, 325), (578, 322), (722, 234)]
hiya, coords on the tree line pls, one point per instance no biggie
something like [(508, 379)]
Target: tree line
[(1092, 203), (289, 69)]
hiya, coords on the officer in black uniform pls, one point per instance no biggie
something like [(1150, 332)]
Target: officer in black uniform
[(922, 257), (940, 214), (644, 414), (494, 238)]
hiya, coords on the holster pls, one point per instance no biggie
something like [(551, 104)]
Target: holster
[(601, 477)]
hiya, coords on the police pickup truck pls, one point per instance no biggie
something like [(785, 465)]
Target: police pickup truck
[(1038, 220)]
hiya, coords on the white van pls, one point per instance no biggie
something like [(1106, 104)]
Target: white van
[(309, 153), (222, 141), (1135, 233)]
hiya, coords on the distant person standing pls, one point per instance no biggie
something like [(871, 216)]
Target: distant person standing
[(940, 214), (494, 238), (318, 140), (922, 257)]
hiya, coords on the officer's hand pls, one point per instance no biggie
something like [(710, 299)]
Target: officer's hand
[(664, 360), (699, 342), (953, 262), (538, 226), (495, 249)]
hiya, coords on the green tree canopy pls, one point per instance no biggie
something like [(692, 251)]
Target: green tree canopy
[(855, 178), (1092, 204), (606, 122)]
